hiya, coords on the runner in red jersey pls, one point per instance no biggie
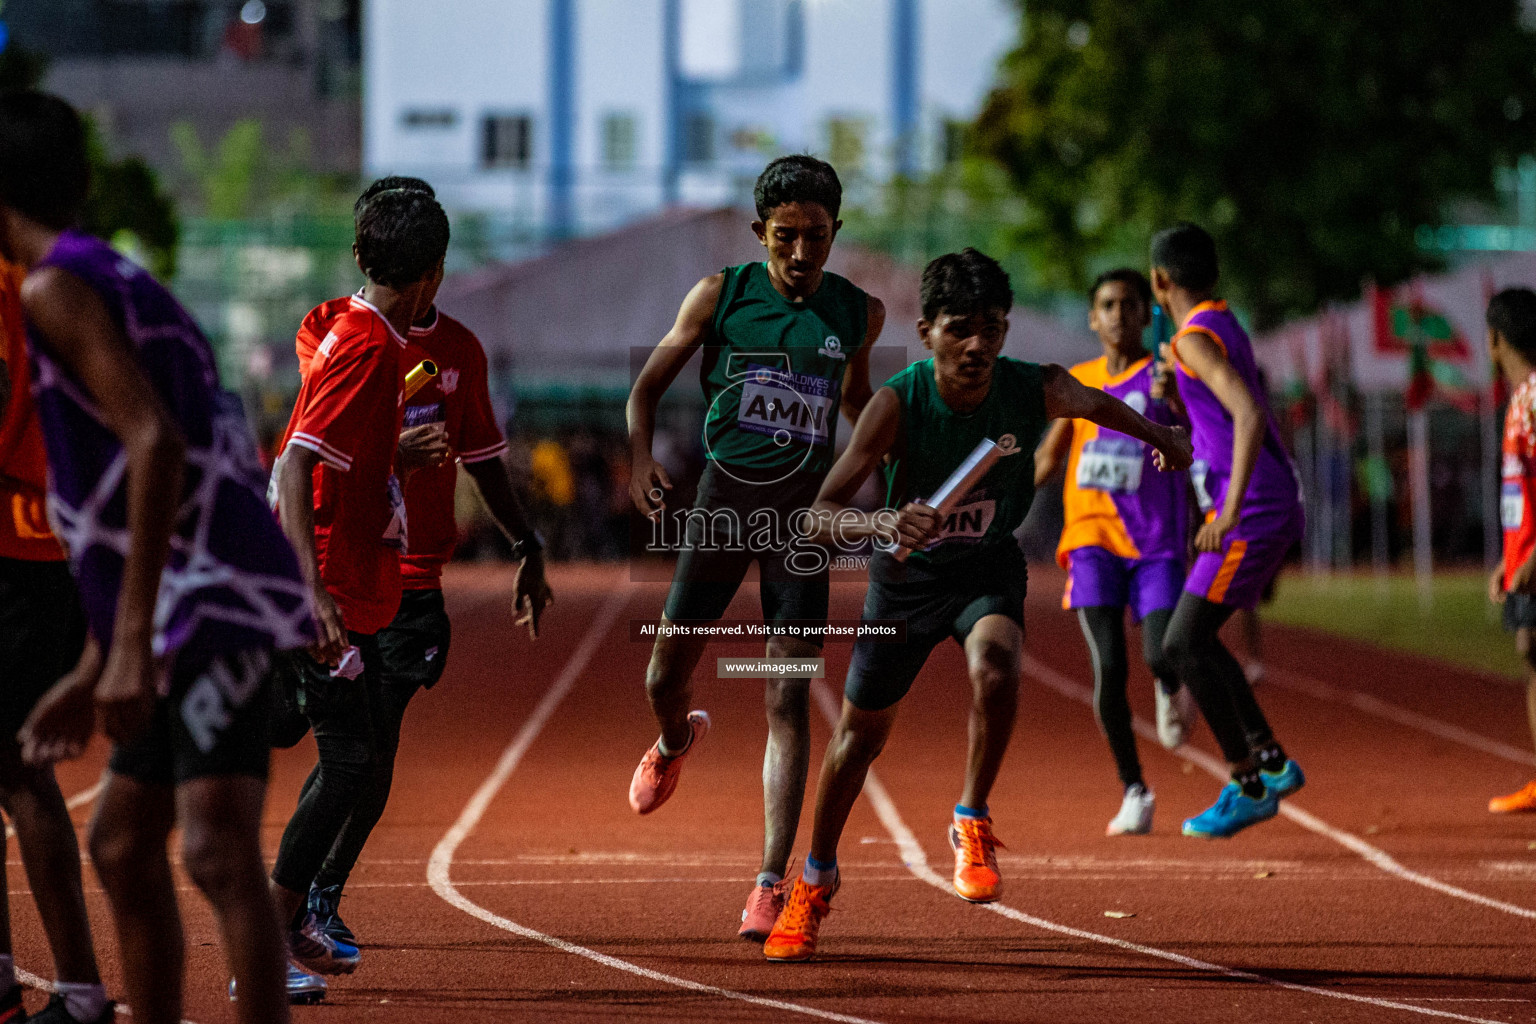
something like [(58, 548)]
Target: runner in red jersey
[(42, 635), (344, 511), (1512, 343), (449, 421)]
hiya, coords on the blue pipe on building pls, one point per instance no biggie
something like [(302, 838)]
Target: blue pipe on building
[(562, 116), (904, 81)]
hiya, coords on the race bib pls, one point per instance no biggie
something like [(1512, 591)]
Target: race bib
[(1115, 469), (396, 534), (787, 406), (417, 415), (1511, 505), (1197, 473), (968, 522)]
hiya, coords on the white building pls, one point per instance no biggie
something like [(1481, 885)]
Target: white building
[(574, 116)]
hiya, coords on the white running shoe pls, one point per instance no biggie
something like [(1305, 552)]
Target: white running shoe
[(1135, 817), (1174, 715)]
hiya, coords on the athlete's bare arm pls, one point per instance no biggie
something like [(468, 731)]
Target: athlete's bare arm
[(530, 591), (648, 481), (874, 436), (296, 517), (1203, 357), (856, 387), (1067, 397), (1053, 449), (82, 334)]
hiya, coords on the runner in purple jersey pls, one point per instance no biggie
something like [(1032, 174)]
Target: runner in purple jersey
[(1124, 533), (187, 584), (1252, 501)]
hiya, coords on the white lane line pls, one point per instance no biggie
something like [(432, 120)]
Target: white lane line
[(916, 860), (441, 863), (80, 799), (1373, 855), (1319, 690)]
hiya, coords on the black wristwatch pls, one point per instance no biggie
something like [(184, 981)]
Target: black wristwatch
[(531, 544)]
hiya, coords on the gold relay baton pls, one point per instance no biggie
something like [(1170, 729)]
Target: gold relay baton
[(417, 378)]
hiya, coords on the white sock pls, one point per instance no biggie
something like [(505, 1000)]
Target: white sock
[(818, 876), (769, 878), (83, 1000), (7, 974)]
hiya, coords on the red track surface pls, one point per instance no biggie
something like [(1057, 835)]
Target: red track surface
[(547, 899)]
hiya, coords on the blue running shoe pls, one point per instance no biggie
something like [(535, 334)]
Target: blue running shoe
[(325, 905), (311, 948), (304, 989), (1232, 812), (1284, 782)]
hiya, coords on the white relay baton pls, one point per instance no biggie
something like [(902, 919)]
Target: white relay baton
[(960, 484)]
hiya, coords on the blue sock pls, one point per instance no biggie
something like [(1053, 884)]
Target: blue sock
[(962, 811), (817, 872)]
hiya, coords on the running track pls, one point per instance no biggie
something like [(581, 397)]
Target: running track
[(510, 881)]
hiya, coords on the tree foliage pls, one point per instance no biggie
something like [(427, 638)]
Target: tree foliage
[(127, 205), (1311, 139)]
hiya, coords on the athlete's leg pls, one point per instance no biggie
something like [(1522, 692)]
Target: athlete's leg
[(220, 818), (1214, 677), (1104, 629), (128, 836), (856, 742), (51, 856), (787, 757), (341, 714), (669, 685), (992, 652), (1154, 629)]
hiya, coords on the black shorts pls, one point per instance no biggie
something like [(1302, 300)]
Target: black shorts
[(726, 532), (1519, 612), (414, 647), (935, 606), (42, 632), (212, 723)]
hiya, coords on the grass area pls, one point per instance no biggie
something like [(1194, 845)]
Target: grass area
[(1458, 624)]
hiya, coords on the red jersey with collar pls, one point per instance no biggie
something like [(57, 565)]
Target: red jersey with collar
[(1519, 478), (349, 413), (459, 397), (24, 530)]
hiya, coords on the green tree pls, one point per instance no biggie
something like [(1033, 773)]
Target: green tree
[(1310, 138), (243, 176), (127, 206)]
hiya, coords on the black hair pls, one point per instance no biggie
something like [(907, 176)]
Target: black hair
[(45, 172), (964, 283), (1125, 275), (402, 236), (798, 178), (1512, 312), (388, 184), (1187, 253)]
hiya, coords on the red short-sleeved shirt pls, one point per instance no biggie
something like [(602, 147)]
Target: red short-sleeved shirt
[(348, 412), (460, 399), (1519, 478)]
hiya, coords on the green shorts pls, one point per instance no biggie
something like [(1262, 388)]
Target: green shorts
[(935, 605)]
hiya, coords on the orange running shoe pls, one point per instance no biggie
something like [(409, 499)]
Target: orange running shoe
[(794, 933), (976, 876), (1523, 799), (656, 775), (763, 909)]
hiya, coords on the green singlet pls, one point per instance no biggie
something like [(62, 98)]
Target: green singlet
[(935, 439), (773, 371)]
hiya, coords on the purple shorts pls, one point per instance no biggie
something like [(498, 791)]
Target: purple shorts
[(1096, 578), (1250, 557)]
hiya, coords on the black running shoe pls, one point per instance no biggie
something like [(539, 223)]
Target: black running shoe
[(325, 904), (57, 1013)]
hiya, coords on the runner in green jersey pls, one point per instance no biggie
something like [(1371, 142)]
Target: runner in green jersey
[(786, 345), (965, 577)]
